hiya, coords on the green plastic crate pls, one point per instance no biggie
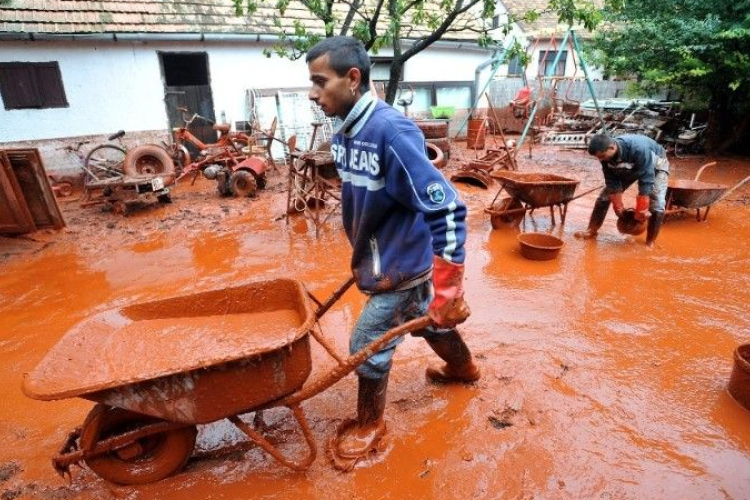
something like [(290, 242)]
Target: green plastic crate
[(442, 111)]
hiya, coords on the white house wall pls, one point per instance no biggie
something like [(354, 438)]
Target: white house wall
[(118, 85)]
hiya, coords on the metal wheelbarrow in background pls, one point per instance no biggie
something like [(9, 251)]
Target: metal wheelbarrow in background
[(686, 194), (528, 191), (158, 369)]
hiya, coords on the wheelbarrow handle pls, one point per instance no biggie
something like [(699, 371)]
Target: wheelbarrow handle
[(335, 296), (704, 167), (352, 362)]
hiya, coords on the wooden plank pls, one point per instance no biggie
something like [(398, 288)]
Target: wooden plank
[(15, 216), (32, 177)]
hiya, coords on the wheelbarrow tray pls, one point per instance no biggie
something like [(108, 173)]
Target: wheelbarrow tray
[(688, 193), (192, 359), (537, 189)]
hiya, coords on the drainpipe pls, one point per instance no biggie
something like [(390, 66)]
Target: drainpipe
[(478, 71), (496, 58)]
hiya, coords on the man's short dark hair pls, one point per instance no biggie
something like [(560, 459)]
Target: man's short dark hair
[(599, 143), (344, 53)]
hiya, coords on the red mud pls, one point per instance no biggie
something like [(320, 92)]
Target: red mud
[(604, 370)]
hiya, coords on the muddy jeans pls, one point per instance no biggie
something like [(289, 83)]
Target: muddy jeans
[(658, 195), (382, 312)]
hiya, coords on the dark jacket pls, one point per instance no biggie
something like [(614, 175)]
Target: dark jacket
[(637, 159)]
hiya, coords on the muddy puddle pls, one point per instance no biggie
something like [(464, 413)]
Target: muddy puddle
[(604, 371)]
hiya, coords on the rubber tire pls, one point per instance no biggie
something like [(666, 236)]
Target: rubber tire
[(148, 159), (114, 150), (435, 155), (165, 198), (165, 453), (180, 157), (222, 184), (433, 129), (500, 221), (444, 144), (243, 184)]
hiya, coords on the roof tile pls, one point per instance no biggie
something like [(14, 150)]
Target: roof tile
[(186, 16)]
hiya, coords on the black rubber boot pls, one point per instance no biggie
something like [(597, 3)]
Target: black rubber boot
[(459, 366), (654, 226), (360, 437), (596, 220), (371, 399)]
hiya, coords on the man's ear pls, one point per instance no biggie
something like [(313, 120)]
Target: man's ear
[(355, 76)]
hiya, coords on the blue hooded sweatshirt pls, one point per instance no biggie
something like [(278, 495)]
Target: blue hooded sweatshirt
[(398, 209)]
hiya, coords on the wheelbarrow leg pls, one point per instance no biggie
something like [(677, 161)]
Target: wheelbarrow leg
[(563, 213), (705, 213), (256, 438)]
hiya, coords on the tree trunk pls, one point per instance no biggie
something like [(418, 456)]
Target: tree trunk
[(391, 90)]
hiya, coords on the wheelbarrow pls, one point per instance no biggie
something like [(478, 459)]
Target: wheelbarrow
[(158, 369), (528, 191), (686, 194)]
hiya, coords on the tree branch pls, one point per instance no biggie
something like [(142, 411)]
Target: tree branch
[(425, 42), (353, 9)]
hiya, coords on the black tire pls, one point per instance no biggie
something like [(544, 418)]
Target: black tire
[(165, 198), (444, 144), (433, 129), (222, 184), (506, 204), (243, 184), (436, 156), (146, 460), (180, 157), (148, 159), (103, 162)]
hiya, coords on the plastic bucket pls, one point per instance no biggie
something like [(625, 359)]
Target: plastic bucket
[(739, 381), (475, 134), (540, 246)]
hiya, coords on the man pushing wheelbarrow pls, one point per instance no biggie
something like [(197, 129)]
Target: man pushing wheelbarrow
[(405, 223), (157, 370)]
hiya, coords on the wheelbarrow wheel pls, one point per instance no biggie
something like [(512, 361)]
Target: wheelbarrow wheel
[(145, 460)]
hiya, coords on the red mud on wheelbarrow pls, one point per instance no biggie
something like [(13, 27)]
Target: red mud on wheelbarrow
[(190, 359)]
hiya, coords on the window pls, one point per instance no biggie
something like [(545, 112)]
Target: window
[(380, 69), (495, 22), (514, 67), (547, 58), (32, 85)]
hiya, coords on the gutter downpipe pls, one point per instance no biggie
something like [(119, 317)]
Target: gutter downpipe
[(494, 59), (183, 37)]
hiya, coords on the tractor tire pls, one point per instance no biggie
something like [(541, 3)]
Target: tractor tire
[(243, 184)]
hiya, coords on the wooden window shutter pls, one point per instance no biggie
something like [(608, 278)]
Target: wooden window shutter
[(49, 82), (18, 87), (32, 85)]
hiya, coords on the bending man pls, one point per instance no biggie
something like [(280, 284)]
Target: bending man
[(625, 160)]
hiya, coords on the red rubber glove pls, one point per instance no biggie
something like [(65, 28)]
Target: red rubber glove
[(617, 204), (448, 308), (642, 203)]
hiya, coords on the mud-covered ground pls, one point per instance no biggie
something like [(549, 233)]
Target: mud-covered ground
[(604, 371)]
